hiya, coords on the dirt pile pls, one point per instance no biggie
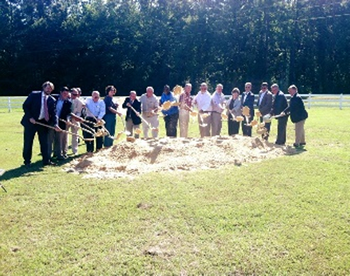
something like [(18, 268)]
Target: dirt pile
[(126, 159)]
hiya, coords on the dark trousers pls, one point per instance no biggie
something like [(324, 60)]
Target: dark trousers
[(90, 145), (29, 134), (281, 131), (171, 124), (247, 130), (233, 126), (268, 127), (111, 121), (50, 140)]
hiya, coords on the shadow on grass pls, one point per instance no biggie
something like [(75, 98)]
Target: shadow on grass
[(24, 171)]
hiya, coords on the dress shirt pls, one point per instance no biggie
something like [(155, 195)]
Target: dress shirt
[(59, 105), (203, 101), (245, 94), (77, 106), (148, 103), (262, 94), (186, 98), (97, 109), (42, 109), (217, 101)]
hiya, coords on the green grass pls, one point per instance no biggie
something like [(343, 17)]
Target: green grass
[(286, 216)]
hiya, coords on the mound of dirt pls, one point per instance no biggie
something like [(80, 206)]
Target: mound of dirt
[(126, 159)]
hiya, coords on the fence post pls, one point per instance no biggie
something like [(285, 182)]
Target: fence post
[(341, 101), (309, 101), (9, 104)]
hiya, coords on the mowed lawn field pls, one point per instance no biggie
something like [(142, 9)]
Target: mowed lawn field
[(286, 216)]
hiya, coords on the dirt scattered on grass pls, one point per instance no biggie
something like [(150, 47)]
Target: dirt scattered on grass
[(127, 159), (144, 206), (15, 249)]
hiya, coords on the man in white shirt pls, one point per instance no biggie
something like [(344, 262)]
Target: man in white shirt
[(149, 107), (217, 106), (77, 107), (95, 110), (203, 103)]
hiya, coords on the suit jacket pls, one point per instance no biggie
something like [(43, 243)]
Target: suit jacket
[(266, 103), (279, 104), (65, 113), (130, 113), (32, 106), (296, 109), (249, 101), (237, 107)]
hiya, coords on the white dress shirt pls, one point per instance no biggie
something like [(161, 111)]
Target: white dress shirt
[(42, 110), (95, 109), (203, 101), (262, 94)]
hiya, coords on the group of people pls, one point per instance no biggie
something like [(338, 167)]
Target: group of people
[(54, 118)]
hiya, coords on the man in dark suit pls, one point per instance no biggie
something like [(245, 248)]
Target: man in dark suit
[(298, 115), (279, 104), (265, 105), (39, 106), (248, 100), (63, 111), (132, 119)]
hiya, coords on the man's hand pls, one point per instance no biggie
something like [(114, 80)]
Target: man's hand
[(32, 120), (58, 129), (128, 104), (77, 118), (282, 114)]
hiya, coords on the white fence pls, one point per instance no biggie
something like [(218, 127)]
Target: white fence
[(311, 100)]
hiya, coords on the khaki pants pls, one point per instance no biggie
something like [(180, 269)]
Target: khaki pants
[(153, 122), (204, 130), (216, 123), (184, 118), (75, 138), (60, 144), (131, 127), (299, 132)]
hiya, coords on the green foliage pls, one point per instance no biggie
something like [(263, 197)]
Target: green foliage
[(287, 216), (133, 44)]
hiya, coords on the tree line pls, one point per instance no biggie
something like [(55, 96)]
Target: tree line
[(135, 43)]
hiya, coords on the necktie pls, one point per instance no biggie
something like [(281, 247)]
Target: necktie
[(46, 110)]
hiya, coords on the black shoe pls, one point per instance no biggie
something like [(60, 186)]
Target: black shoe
[(49, 163), (302, 144), (62, 157), (298, 146), (27, 165)]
